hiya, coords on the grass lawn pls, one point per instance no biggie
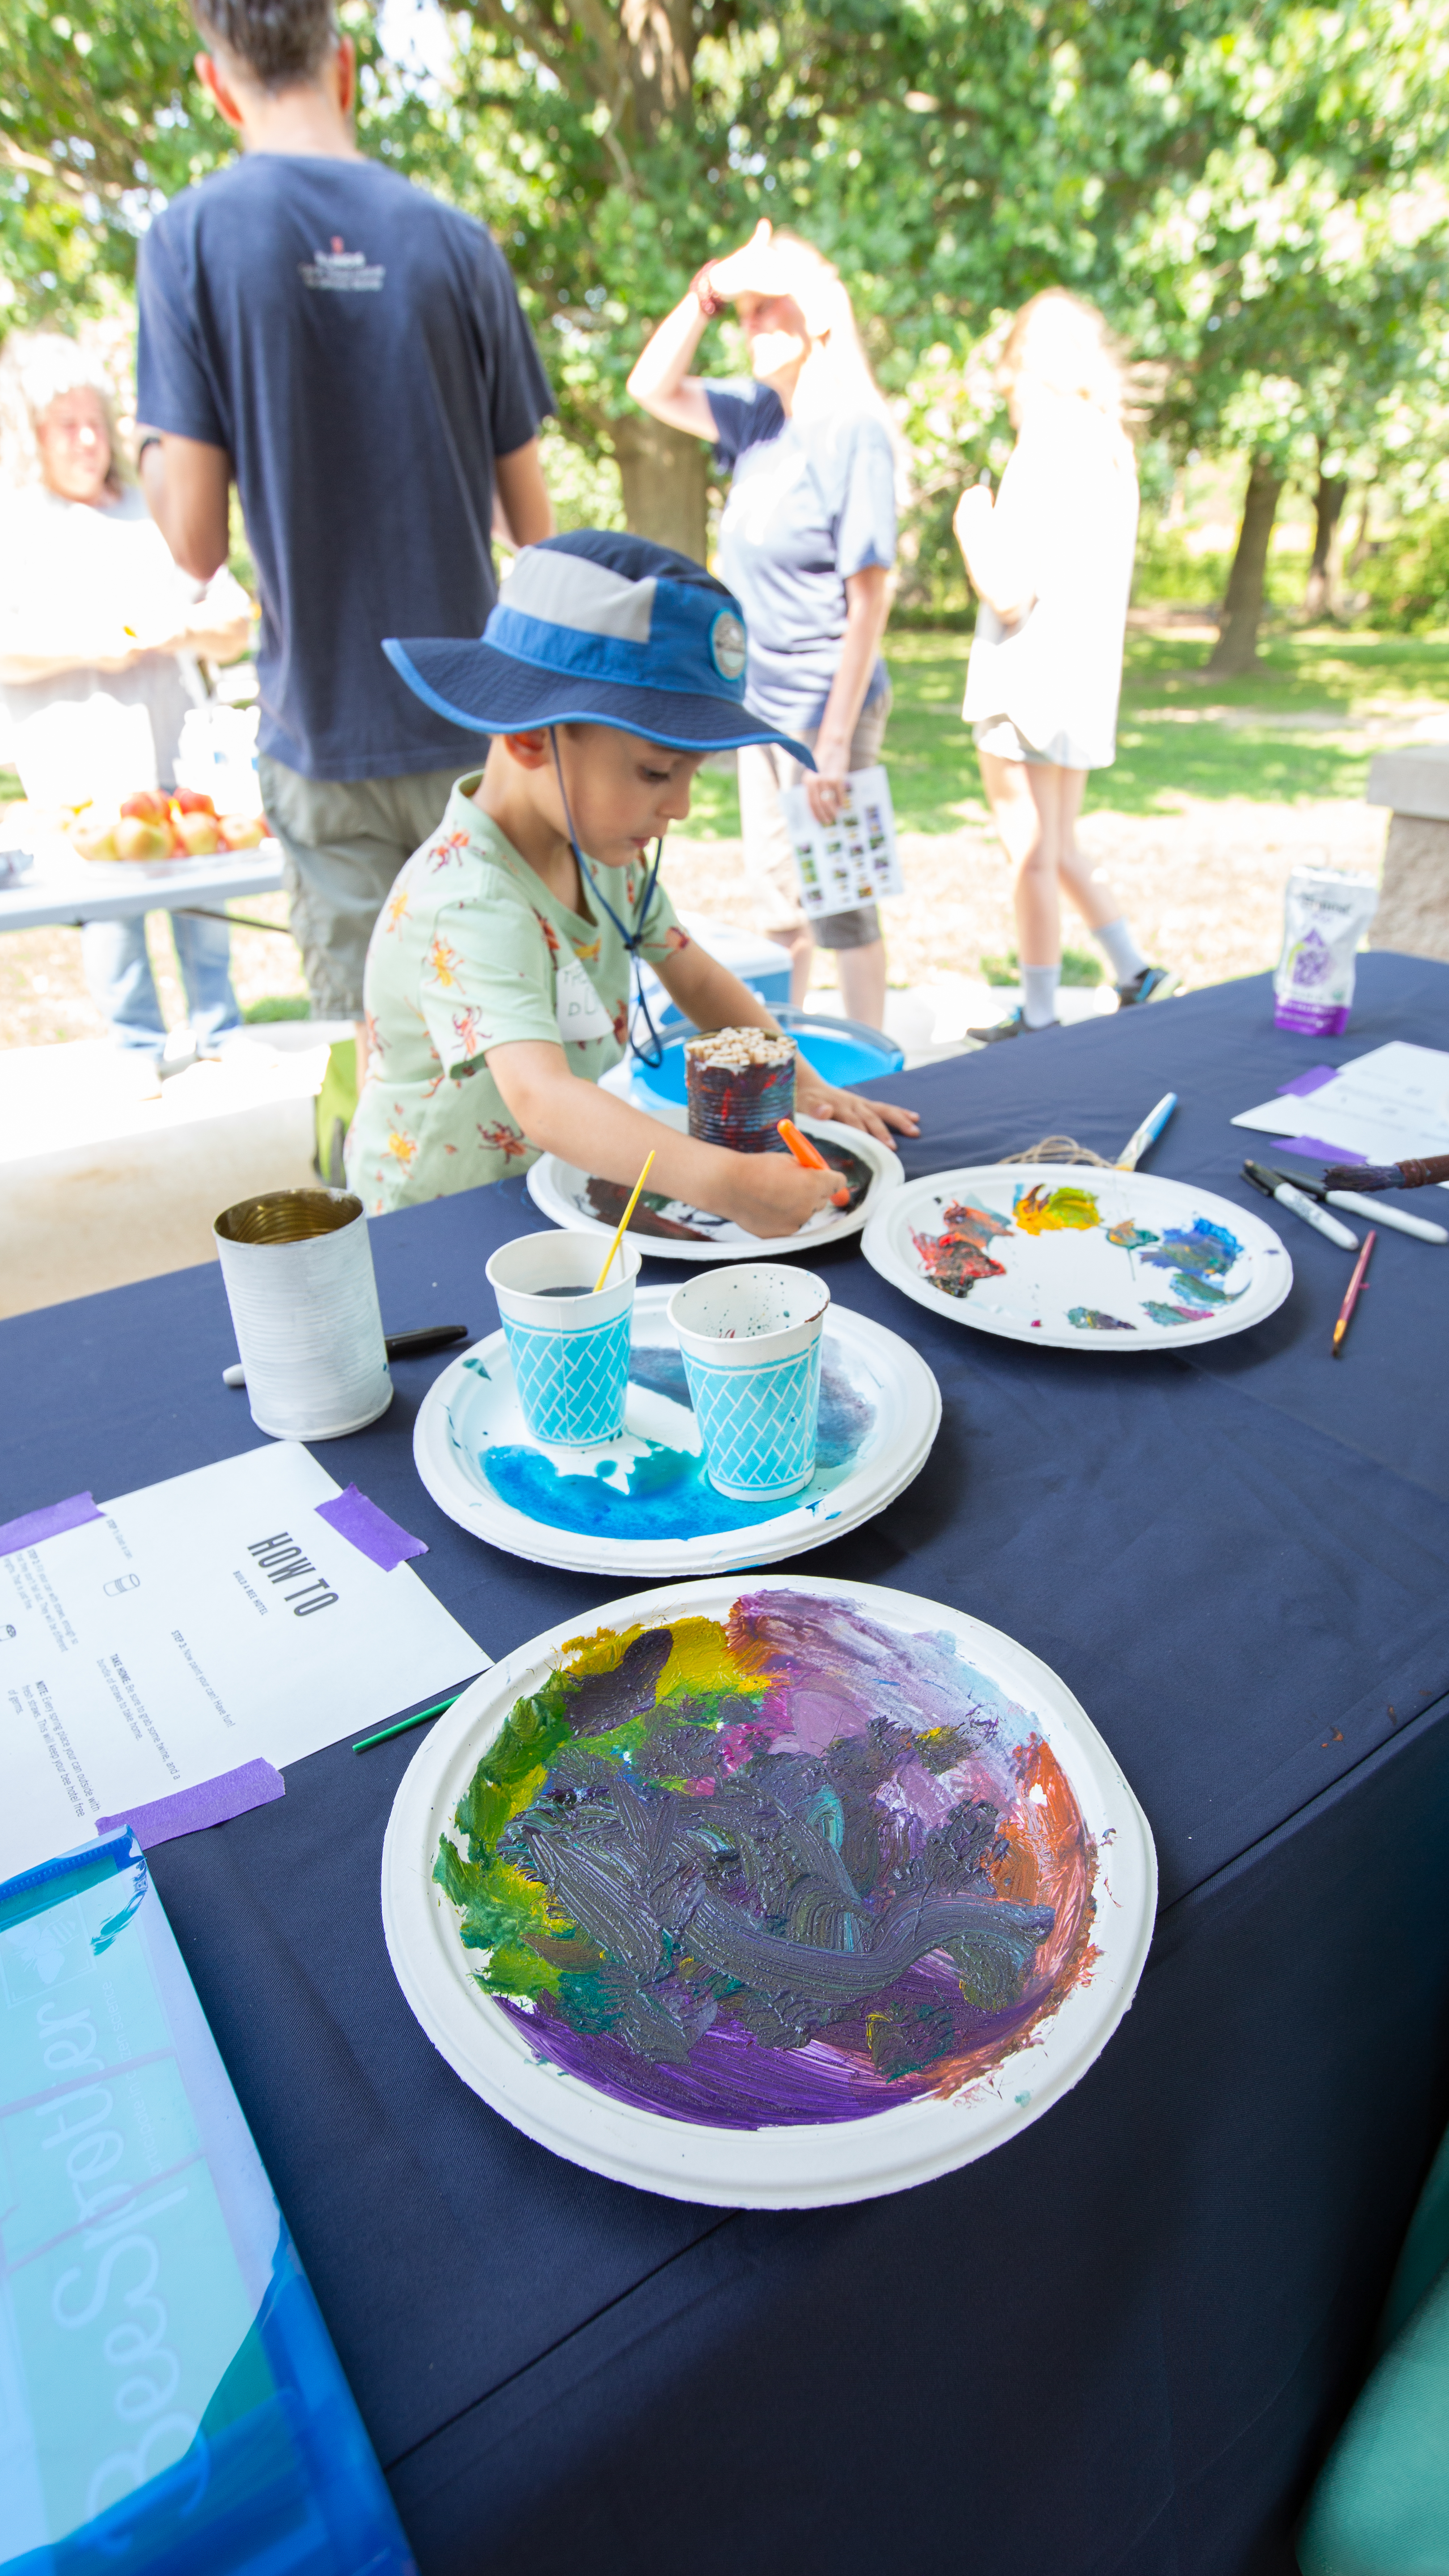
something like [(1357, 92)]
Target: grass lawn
[(1293, 730)]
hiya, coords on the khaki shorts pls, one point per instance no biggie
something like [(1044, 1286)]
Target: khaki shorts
[(344, 841), (765, 769)]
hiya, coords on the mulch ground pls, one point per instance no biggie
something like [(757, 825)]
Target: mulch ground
[(1203, 889)]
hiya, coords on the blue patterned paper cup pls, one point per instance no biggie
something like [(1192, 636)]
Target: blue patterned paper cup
[(749, 1336), (570, 1353)]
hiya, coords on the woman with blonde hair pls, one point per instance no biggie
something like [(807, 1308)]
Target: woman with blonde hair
[(807, 542), (1051, 561), (99, 634)]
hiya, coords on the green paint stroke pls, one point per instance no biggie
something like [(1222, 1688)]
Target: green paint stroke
[(503, 1912)]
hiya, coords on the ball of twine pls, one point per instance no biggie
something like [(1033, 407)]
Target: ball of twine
[(1057, 1149)]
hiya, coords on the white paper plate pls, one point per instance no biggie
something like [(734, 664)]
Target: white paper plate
[(1151, 1265), (880, 1411), (853, 1667), (562, 1193)]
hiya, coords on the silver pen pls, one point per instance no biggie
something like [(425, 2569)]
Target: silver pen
[(1422, 1228)]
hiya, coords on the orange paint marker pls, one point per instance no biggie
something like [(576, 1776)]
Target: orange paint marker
[(807, 1157)]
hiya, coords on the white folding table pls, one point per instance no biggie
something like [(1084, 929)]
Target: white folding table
[(75, 891)]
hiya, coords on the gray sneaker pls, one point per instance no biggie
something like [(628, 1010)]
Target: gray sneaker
[(1015, 1025)]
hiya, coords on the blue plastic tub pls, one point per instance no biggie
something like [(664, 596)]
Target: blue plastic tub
[(842, 1051)]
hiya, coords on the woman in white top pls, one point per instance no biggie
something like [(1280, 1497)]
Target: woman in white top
[(1051, 560), (99, 631)]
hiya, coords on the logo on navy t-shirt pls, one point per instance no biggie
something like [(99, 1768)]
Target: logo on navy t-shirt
[(342, 271)]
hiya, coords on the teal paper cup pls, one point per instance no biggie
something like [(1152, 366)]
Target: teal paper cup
[(569, 1348), (749, 1336)]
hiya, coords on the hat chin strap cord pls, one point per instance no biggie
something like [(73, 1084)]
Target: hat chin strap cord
[(651, 1055)]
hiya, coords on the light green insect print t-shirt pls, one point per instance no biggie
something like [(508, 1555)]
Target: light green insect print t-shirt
[(472, 951)]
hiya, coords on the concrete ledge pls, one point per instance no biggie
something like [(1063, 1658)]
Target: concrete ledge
[(1413, 780), (129, 1207), (1413, 913)]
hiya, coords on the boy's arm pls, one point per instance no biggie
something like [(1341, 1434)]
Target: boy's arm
[(765, 1193), (713, 998)]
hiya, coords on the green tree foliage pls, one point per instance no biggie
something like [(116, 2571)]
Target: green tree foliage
[(95, 125), (1252, 193)]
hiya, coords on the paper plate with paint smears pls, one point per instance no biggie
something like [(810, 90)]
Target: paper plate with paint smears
[(670, 1230), (771, 1895), (643, 1505), (1078, 1257)]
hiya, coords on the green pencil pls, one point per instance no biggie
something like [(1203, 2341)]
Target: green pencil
[(419, 1718)]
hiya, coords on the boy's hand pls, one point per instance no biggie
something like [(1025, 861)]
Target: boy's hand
[(769, 1194), (817, 1099)]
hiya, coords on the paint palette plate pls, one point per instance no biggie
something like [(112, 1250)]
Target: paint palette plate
[(772, 1897), (643, 1505), (1078, 1257), (669, 1230)]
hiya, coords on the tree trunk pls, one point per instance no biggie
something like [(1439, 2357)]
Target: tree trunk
[(1321, 599), (1236, 649), (665, 474), (1359, 550)]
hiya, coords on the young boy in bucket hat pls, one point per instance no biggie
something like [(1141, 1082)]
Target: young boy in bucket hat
[(498, 976)]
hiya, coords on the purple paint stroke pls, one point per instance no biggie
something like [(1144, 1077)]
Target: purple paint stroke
[(211, 1802), (31, 1527), (369, 1530), (1314, 1150), (1313, 1080), (732, 2080), (743, 2053)]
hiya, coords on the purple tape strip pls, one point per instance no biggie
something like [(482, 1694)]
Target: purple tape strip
[(212, 1802), (355, 1518), (1314, 1150), (1313, 1080), (33, 1526)]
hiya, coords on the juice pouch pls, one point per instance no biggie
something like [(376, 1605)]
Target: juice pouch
[(1325, 916)]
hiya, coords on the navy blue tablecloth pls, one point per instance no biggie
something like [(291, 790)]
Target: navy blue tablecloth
[(1121, 2343)]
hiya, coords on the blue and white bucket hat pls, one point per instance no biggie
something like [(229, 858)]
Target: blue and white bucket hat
[(599, 628)]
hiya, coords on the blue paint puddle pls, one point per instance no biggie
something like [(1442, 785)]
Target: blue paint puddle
[(667, 1495), (659, 1492)]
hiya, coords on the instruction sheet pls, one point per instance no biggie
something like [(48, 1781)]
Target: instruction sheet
[(1389, 1103), (851, 861), (194, 1626)]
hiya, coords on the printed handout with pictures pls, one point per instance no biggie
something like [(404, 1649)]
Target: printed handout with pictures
[(196, 1625), (851, 861)]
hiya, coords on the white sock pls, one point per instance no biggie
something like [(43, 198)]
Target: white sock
[(1039, 995), (1123, 954)]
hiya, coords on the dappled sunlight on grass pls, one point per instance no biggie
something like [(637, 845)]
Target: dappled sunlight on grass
[(1324, 699)]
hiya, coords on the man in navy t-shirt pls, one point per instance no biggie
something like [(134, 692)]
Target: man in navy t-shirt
[(353, 353)]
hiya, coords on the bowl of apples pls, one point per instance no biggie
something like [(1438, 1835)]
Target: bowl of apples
[(151, 826)]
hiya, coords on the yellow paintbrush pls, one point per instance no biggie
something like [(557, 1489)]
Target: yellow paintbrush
[(623, 1221)]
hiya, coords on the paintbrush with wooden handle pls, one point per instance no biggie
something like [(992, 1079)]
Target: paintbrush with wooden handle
[(1387, 1176)]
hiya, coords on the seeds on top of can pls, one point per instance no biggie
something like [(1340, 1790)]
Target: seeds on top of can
[(732, 1048)]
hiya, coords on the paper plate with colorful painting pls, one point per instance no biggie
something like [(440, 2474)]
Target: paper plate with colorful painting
[(642, 1505), (670, 1230), (769, 1895), (1081, 1258)]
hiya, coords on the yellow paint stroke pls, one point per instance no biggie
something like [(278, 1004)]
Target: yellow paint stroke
[(701, 1658), (1040, 1211)]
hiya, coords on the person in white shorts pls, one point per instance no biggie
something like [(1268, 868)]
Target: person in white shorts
[(1051, 561)]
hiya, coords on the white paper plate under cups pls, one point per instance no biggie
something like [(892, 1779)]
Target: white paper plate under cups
[(297, 1266)]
